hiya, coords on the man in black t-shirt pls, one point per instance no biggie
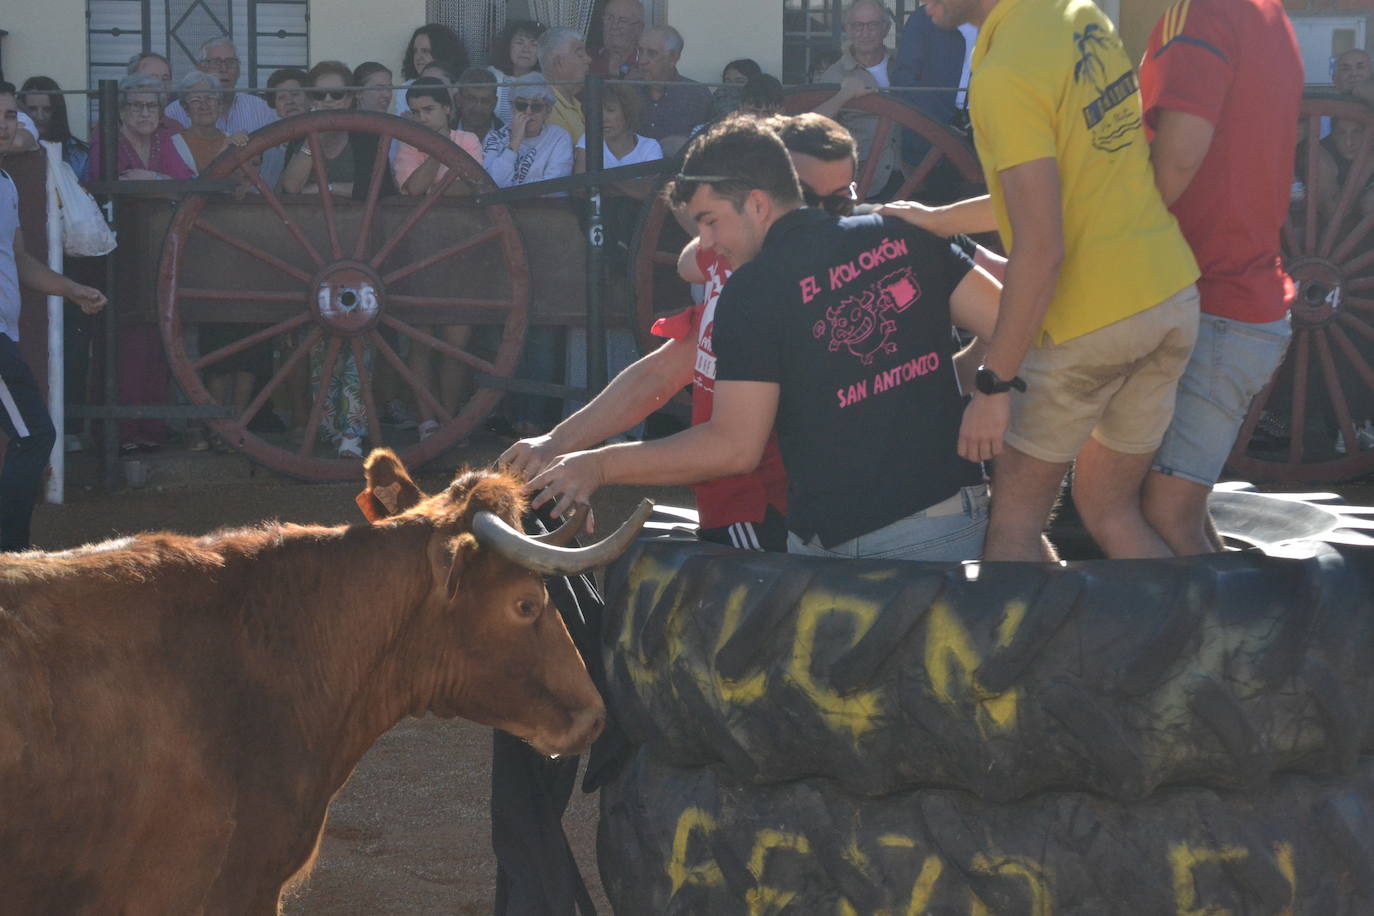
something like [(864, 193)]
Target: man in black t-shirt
[(838, 329)]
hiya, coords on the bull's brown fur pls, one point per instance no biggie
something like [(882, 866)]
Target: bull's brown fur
[(176, 712)]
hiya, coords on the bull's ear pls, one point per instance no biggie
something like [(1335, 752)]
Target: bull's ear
[(390, 491), (464, 552)]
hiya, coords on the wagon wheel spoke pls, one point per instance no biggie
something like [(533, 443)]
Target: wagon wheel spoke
[(374, 191), (240, 295), (447, 302), (281, 375), (442, 346), (1359, 285), (1334, 391), (374, 422), (1309, 228), (1298, 423), (920, 173), (1359, 264), (250, 249), (1355, 324), (400, 273), (875, 155), (416, 215), (312, 425), (416, 386), (326, 195), (250, 341), (1359, 303), (272, 200), (1352, 240), (1352, 354), (1354, 185)]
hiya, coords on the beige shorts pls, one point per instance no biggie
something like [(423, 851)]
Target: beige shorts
[(1116, 384)]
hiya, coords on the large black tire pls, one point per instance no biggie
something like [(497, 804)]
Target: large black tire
[(1001, 679), (674, 842)]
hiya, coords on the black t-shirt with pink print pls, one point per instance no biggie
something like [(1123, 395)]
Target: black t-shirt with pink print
[(851, 318)]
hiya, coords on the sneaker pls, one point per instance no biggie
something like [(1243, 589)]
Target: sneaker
[(398, 415), (351, 447)]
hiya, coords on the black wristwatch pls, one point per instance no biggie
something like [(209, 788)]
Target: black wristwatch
[(988, 382)]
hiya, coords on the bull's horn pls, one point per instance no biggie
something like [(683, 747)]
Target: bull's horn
[(492, 532), (563, 535)]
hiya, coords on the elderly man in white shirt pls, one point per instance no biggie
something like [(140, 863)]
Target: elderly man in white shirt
[(240, 111)]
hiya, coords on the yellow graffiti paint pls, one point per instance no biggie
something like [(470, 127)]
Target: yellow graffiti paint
[(1183, 859), (1036, 879), (680, 874), (752, 688), (952, 659), (855, 712), (1283, 856), (763, 899)]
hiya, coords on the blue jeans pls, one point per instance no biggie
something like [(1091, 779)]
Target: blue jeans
[(951, 530), (24, 419), (1231, 363)]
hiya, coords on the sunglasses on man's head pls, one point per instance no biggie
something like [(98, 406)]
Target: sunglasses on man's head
[(841, 203), (527, 105)]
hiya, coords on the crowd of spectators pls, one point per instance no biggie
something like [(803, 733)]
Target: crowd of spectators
[(521, 118)]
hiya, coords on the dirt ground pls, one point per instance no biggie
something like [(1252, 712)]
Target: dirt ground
[(408, 834)]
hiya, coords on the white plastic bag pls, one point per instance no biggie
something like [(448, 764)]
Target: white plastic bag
[(84, 230)]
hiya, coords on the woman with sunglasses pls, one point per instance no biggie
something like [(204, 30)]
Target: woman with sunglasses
[(534, 150), (348, 156)]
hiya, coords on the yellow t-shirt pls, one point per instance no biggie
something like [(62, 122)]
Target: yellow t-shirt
[(1051, 79), (567, 114)]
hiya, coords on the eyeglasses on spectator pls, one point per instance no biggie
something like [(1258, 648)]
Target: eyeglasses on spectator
[(841, 203), (527, 105), (220, 63)]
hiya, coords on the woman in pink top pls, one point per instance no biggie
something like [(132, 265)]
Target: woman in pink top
[(432, 106), (146, 151), (418, 174)]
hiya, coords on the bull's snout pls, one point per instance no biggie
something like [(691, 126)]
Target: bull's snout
[(586, 726)]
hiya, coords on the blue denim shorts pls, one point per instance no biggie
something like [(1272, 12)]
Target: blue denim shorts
[(950, 530), (1231, 363)]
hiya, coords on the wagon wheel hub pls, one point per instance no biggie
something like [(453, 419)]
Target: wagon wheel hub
[(348, 298), (1319, 283)]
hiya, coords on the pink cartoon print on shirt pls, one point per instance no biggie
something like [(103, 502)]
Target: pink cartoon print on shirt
[(865, 323)]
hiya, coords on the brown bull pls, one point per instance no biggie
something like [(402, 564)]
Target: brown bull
[(177, 712)]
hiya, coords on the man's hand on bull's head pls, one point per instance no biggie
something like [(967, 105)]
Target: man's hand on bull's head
[(569, 482), (528, 457)]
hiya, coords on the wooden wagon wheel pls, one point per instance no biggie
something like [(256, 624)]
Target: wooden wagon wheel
[(658, 239), (343, 276), (1325, 387)]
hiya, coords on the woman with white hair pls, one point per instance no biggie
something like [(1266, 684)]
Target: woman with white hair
[(533, 150), (199, 144)]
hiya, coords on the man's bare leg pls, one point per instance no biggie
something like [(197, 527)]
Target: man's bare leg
[(1107, 487), (1177, 509), (1023, 493)]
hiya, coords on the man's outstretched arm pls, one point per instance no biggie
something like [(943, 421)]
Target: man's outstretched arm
[(731, 442), (40, 278)]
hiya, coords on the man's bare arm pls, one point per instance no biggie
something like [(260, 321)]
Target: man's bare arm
[(731, 442), (40, 278), (970, 217), (1178, 149), (974, 303), (642, 388)]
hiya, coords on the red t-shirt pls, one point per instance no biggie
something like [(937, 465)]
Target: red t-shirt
[(1236, 64), (744, 497)]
